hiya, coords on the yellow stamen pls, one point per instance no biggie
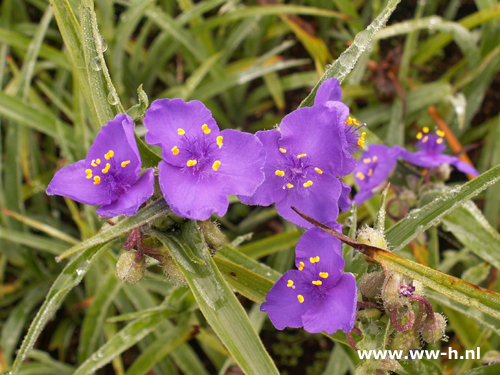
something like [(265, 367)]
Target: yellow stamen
[(324, 275), (351, 120), (279, 173), (109, 155), (282, 150), (360, 175), (125, 163), (314, 260), (289, 185), (98, 161), (317, 282), (175, 150), (439, 141), (97, 180), (308, 183), (361, 140), (205, 129), (181, 131), (93, 163), (89, 173), (375, 159), (106, 170), (290, 283), (216, 165), (426, 129), (301, 266), (300, 297), (219, 141), (367, 160), (301, 156), (419, 135), (190, 163), (426, 138), (440, 133), (318, 170), (370, 172)]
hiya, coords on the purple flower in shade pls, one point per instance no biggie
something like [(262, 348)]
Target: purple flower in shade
[(430, 154), (318, 295), (109, 175), (202, 165), (375, 165)]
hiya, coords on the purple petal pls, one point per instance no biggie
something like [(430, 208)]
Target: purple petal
[(282, 302), (336, 310), (192, 195), (71, 182), (462, 166), (319, 201), (345, 202), (363, 196), (328, 91), (129, 202), (242, 158), (270, 190), (117, 136), (427, 160)]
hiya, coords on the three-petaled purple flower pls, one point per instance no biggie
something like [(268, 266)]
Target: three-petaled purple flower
[(318, 295), (202, 165), (109, 175), (307, 158), (430, 154)]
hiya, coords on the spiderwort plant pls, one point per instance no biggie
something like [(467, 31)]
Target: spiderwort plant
[(317, 295), (110, 174), (201, 165)]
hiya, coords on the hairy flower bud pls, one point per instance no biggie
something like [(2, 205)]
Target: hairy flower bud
[(369, 314), (172, 271), (391, 291), (370, 284), (129, 269), (214, 238), (372, 237), (433, 328), (388, 364), (490, 358), (405, 341)]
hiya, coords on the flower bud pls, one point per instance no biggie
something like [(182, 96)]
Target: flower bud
[(388, 364), (172, 271), (408, 197), (370, 284), (369, 314), (490, 358), (443, 172), (372, 237), (405, 341), (433, 329), (391, 291), (129, 269), (214, 238)]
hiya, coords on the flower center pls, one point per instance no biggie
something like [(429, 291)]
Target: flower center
[(372, 166), (107, 171), (296, 171)]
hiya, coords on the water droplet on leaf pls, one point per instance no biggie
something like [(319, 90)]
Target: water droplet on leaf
[(96, 63)]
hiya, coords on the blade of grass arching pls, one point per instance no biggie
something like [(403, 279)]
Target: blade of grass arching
[(70, 277), (346, 61), (220, 307), (58, 368), (33, 241), (270, 245), (419, 220), (151, 212)]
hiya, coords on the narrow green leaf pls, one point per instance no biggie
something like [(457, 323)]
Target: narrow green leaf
[(270, 245)]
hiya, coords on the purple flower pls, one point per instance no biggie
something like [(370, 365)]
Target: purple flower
[(202, 165), (109, 175), (430, 154), (317, 296), (375, 165)]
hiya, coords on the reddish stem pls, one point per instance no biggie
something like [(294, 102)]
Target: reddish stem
[(351, 341), (398, 327)]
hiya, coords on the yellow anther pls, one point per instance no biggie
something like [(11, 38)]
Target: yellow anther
[(97, 180), (351, 120), (375, 159), (282, 150), (314, 260), (98, 161), (440, 133), (106, 169), (318, 170), (205, 129), (301, 266), (360, 175), (290, 283), (300, 297), (216, 165), (426, 129), (439, 141), (324, 275), (219, 141), (419, 135), (317, 282), (125, 163), (279, 173), (93, 163), (367, 160), (361, 140), (89, 173), (175, 150), (181, 131), (289, 185), (301, 155), (308, 183), (426, 138), (109, 155), (190, 163), (370, 172)]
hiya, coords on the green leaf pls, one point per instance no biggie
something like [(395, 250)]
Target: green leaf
[(270, 245)]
